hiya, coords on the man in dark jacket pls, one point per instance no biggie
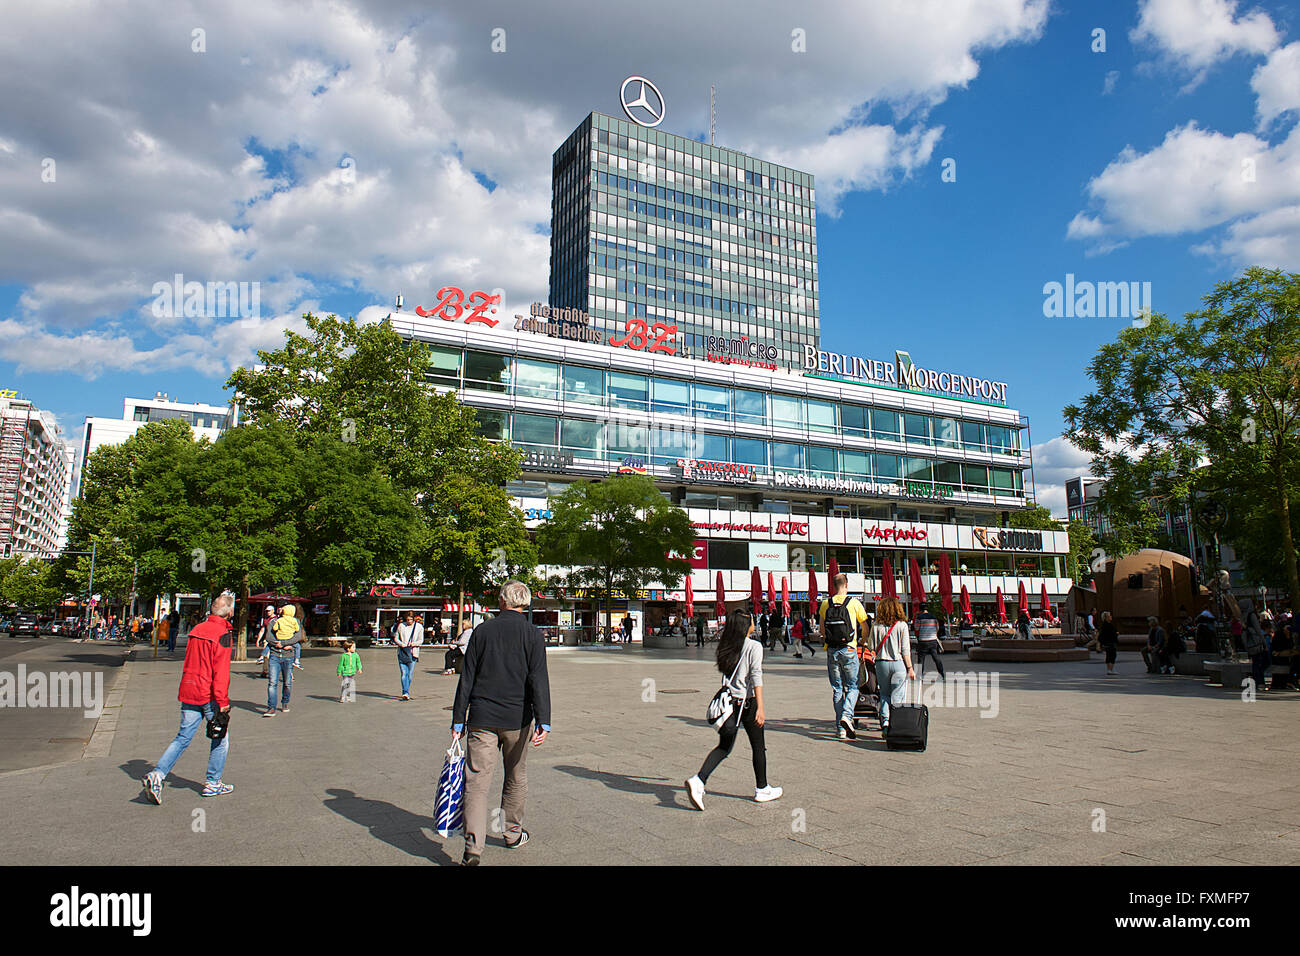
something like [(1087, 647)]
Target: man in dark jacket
[(503, 691), (204, 691)]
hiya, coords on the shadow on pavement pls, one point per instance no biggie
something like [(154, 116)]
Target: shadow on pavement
[(658, 787), (398, 828)]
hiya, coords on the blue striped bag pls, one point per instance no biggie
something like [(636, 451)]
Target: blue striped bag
[(449, 805)]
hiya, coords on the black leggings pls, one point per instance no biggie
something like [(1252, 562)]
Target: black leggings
[(933, 650), (727, 740)]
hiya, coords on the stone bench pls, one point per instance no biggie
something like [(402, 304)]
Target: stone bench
[(1054, 649), (1229, 674)]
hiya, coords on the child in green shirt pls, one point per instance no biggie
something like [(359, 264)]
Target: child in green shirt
[(349, 668)]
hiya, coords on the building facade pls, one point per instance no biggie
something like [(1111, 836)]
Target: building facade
[(709, 242), (35, 480), (781, 469), (206, 421)]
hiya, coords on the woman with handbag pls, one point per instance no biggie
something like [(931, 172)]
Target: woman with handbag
[(738, 702), (891, 641), (408, 637)]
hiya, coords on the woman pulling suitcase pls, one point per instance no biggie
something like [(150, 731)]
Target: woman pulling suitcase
[(891, 641)]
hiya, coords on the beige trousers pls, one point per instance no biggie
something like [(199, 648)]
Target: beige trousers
[(482, 744)]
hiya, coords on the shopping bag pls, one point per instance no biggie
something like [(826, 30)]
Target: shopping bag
[(449, 805)]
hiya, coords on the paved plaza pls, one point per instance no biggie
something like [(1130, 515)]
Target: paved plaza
[(1176, 771)]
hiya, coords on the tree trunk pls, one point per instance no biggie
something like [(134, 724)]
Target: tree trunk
[(336, 610), (1288, 543), (460, 610), (241, 621)]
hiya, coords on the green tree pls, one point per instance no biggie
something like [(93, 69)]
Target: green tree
[(28, 583), (1034, 518), (1207, 406), (353, 524), (245, 488), (615, 534)]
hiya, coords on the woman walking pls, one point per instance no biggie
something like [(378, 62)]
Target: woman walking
[(741, 657), (408, 638), (1108, 639), (891, 641)]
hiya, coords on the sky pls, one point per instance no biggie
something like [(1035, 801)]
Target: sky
[(966, 156)]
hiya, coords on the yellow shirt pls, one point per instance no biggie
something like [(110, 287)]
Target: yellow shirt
[(857, 617)]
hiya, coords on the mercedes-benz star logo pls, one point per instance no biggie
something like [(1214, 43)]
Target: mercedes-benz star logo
[(650, 111)]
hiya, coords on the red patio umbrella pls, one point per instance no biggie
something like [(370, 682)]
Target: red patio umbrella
[(756, 592), (785, 598), (690, 599), (915, 588), (813, 603), (1024, 600), (771, 593), (887, 588), (1002, 609), (720, 610), (1047, 605), (966, 614), (945, 583), (832, 571)]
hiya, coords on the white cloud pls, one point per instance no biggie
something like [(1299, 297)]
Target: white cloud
[(1196, 34), (1277, 84), (227, 165), (1056, 461)]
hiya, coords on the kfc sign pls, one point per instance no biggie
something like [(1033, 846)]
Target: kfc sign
[(895, 534), (700, 555), (792, 527)]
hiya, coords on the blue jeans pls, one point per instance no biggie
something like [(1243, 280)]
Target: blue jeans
[(407, 669), (192, 716), (842, 668), (278, 669), (892, 678)]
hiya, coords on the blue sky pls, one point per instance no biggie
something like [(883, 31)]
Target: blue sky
[(228, 163)]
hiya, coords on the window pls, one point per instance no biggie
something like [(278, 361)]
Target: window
[(1003, 481), (917, 428), (669, 444), (853, 419), (536, 379), (821, 416), (974, 477), (787, 455), (729, 555), (749, 451), (917, 469), (628, 391), (821, 459), (947, 473), (884, 424), (528, 430), (972, 435), (886, 467), (855, 464), (710, 447), (999, 439), (487, 371), (712, 401), (492, 425), (787, 412), (671, 396), (584, 385), (581, 437), (946, 434), (846, 558), (444, 366), (970, 562)]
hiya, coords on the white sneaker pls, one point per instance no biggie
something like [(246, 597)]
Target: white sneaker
[(767, 794), (695, 790)]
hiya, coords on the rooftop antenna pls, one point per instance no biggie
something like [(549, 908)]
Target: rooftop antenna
[(713, 115), (399, 302)]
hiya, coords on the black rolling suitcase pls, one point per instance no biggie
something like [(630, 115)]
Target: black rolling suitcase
[(868, 704), (909, 725)]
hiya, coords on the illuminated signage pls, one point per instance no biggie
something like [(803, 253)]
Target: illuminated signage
[(452, 305), (792, 527), (731, 526), (895, 533), (694, 470), (647, 108), (902, 373), (632, 466), (1005, 539), (741, 351)]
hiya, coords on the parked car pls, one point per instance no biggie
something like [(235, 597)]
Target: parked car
[(24, 624)]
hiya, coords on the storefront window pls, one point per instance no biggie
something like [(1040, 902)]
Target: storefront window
[(846, 558), (444, 366), (1000, 564), (581, 437), (536, 379), (821, 416), (629, 391), (971, 562), (917, 428), (821, 460), (787, 455), (534, 430), (751, 407), (712, 401), (749, 451), (487, 371), (853, 419), (787, 412), (855, 464), (1028, 565), (584, 385), (671, 396), (884, 424)]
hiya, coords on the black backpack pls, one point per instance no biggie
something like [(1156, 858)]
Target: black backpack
[(837, 629)]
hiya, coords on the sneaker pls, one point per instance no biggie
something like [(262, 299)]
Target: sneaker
[(469, 859), (841, 734), (217, 789), (695, 790), (297, 665), (284, 710), (270, 712), (523, 838), (846, 725), (767, 794), (153, 786), (799, 657)]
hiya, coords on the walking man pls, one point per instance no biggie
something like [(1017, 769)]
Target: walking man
[(286, 634), (204, 692), (929, 645), (841, 618), (503, 702)]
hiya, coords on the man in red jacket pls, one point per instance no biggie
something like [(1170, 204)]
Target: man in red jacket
[(205, 690)]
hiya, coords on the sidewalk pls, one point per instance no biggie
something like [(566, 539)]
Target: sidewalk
[(1184, 773)]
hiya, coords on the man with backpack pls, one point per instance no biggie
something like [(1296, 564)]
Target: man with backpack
[(841, 617)]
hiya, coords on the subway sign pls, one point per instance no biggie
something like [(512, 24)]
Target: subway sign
[(902, 373)]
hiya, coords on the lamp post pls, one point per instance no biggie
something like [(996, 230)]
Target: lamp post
[(90, 588)]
